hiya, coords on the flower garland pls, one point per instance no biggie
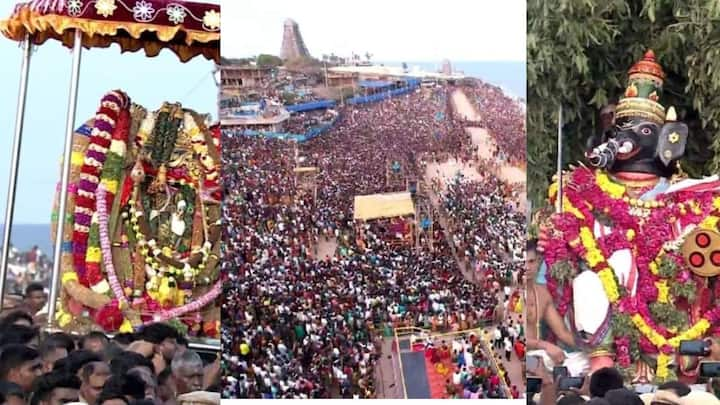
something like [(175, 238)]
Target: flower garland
[(592, 194), (157, 258), (111, 174), (106, 316), (111, 314), (160, 259), (100, 140)]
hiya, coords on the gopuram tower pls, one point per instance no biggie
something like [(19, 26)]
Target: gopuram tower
[(293, 46)]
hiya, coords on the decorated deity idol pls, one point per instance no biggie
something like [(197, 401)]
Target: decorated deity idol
[(632, 258), (142, 240)]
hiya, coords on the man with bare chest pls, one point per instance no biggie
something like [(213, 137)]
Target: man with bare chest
[(540, 308)]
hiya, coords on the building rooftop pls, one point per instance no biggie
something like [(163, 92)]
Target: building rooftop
[(394, 71), (245, 67)]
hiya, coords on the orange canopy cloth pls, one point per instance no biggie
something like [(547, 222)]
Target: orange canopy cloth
[(188, 29)]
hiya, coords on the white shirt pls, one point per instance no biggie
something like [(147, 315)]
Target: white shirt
[(456, 378)]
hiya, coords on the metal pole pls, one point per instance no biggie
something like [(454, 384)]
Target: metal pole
[(560, 162), (15, 163), (326, 74), (67, 151)]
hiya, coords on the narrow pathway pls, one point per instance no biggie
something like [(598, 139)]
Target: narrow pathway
[(464, 265), (486, 144), (514, 367), (387, 373)]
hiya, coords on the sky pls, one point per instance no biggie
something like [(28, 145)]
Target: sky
[(148, 81), (459, 30)]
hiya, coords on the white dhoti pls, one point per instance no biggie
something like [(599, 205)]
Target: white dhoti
[(577, 363)]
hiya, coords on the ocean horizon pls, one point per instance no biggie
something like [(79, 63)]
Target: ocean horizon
[(25, 236), (510, 75)]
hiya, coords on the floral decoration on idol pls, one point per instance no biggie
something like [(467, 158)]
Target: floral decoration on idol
[(143, 11), (651, 244), (100, 140), (75, 7), (146, 222), (105, 8), (176, 13), (651, 254), (211, 20)]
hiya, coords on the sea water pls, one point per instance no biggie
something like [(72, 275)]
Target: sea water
[(25, 236), (509, 75)]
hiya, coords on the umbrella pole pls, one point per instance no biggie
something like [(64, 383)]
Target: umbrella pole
[(14, 164), (67, 152)]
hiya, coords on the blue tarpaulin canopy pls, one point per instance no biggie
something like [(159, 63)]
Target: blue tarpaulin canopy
[(412, 81), (313, 105), (379, 96), (375, 84)]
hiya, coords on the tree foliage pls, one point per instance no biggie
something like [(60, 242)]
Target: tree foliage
[(579, 52), (266, 60)]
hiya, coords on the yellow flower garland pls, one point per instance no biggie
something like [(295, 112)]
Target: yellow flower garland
[(655, 338), (594, 256), (710, 222), (663, 291), (610, 188), (126, 327), (697, 331), (654, 269), (662, 366), (608, 281), (659, 341), (567, 206), (110, 185), (77, 158), (69, 276), (716, 203), (94, 254), (63, 318)]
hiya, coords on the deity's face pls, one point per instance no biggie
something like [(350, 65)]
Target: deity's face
[(638, 141), (639, 146)]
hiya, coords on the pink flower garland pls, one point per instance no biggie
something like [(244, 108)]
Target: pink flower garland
[(105, 244), (622, 351), (585, 196)]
